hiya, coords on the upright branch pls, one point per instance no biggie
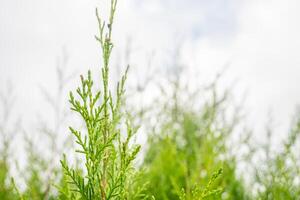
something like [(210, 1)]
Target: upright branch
[(106, 46), (106, 145)]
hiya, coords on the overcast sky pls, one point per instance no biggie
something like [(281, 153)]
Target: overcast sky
[(259, 38)]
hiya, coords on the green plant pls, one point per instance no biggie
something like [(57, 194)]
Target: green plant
[(278, 178), (51, 131), (188, 143), (199, 194), (42, 169), (7, 134), (106, 147), (189, 154), (33, 174)]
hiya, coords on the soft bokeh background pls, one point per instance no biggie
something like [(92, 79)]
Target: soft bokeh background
[(258, 40)]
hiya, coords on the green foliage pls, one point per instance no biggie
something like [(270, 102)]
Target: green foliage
[(279, 177), (37, 187), (189, 154), (188, 145), (7, 134), (207, 192), (106, 145), (42, 169), (7, 191)]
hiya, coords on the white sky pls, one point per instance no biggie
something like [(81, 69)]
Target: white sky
[(260, 38)]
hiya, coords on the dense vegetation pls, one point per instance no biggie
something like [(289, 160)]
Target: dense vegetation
[(196, 147)]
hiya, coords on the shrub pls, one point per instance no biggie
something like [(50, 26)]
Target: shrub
[(279, 175), (189, 144)]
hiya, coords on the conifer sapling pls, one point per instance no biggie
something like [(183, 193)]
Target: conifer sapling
[(106, 145)]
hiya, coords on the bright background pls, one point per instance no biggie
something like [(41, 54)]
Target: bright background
[(257, 39)]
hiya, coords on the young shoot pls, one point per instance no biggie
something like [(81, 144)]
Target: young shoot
[(105, 145)]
